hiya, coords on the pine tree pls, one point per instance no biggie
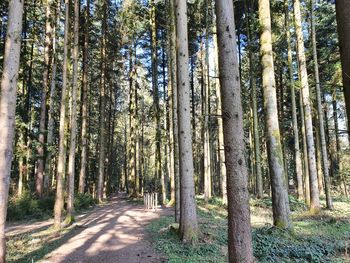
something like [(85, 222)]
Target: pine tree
[(280, 202), (188, 214), (8, 108), (239, 232)]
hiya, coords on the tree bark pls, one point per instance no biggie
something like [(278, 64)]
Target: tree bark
[(297, 156), (188, 216), (158, 161), (257, 164), (206, 99), (239, 231), (85, 91), (50, 122), (305, 157), (324, 156), (280, 202), (173, 73), (42, 123), (73, 117), (61, 163), (222, 169), (102, 141), (314, 193), (8, 108)]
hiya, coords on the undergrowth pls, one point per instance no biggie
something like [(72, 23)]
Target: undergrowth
[(30, 207), (322, 239)]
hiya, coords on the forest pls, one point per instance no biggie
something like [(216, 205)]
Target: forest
[(175, 131)]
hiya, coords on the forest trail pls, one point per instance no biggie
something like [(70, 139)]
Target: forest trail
[(114, 232)]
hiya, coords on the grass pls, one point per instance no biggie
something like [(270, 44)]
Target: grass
[(321, 238), (31, 247), (34, 245)]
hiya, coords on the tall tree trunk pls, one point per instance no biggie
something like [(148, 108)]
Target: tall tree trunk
[(188, 216), (85, 91), (173, 61), (61, 163), (206, 99), (220, 147), (102, 141), (8, 108), (314, 193), (297, 156), (42, 123), (343, 20), (50, 123), (158, 164), (257, 164), (325, 165), (305, 157), (280, 202), (239, 231), (170, 106), (73, 117)]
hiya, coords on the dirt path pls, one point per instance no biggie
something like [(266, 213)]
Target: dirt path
[(112, 233)]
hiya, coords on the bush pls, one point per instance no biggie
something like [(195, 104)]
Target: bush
[(297, 205), (83, 201), (27, 206)]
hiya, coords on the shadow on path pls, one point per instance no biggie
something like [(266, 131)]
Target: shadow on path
[(112, 233)]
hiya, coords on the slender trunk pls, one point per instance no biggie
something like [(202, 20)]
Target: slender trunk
[(325, 165), (280, 202), (73, 117), (239, 230), (206, 98), (319, 160), (257, 164), (50, 123), (188, 217), (8, 109), (158, 164), (170, 114), (298, 162), (220, 125), (174, 120), (314, 193), (305, 157), (42, 123), (61, 163), (85, 91), (102, 150)]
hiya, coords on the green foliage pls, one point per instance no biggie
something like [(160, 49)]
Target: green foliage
[(266, 202), (276, 245), (313, 239), (296, 205), (83, 201), (167, 241), (27, 206), (216, 201)]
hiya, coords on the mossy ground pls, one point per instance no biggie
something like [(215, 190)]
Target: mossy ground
[(321, 238)]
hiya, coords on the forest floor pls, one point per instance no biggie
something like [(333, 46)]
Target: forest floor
[(322, 238), (113, 232), (122, 231)]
